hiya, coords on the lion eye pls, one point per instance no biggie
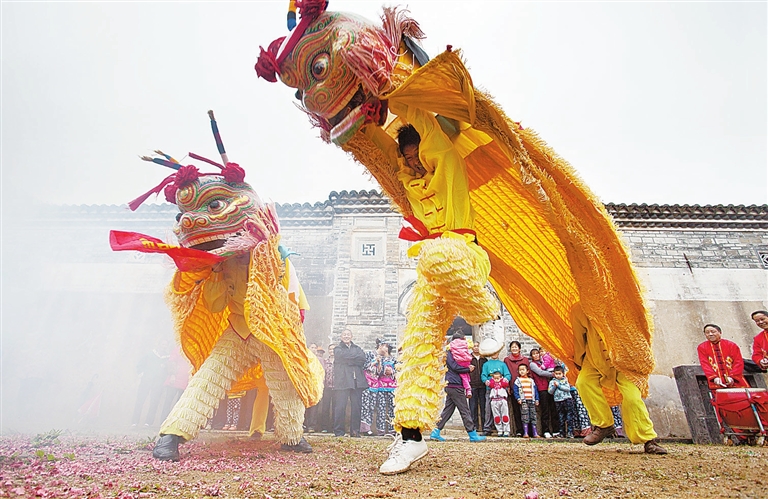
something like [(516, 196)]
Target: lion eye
[(321, 66), (216, 205)]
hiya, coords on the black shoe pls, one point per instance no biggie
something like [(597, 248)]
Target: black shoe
[(303, 446), (167, 448), (354, 434)]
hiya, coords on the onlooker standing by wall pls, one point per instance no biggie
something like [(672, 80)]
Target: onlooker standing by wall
[(477, 401), (560, 390), (371, 369), (456, 397), (491, 365), (760, 343), (721, 360), (349, 384), (311, 413), (513, 360), (541, 376), (326, 403), (498, 393), (386, 397), (527, 396)]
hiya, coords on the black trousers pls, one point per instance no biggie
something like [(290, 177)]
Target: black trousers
[(340, 398), (477, 404), (456, 398), (550, 422)]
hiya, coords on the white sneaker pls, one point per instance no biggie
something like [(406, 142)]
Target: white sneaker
[(491, 337), (402, 455), (547, 434)]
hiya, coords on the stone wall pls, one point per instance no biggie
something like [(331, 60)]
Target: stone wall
[(73, 308)]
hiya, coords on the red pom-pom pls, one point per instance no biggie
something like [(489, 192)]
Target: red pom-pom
[(266, 65), (233, 173), (170, 193), (311, 8), (186, 175)]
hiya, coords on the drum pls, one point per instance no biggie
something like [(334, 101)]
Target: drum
[(735, 406)]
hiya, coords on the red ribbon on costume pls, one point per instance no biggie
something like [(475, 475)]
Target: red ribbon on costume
[(415, 230), (186, 259)]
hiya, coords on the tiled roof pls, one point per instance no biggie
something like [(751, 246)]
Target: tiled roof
[(638, 216)]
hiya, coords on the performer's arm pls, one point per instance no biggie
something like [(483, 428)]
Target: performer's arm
[(217, 291), (384, 142)]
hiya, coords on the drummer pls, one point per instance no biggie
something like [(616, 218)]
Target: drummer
[(721, 360)]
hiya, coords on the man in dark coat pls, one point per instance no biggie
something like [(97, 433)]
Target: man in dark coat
[(348, 384), (477, 402)]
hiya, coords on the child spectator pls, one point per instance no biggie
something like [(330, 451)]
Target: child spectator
[(497, 386), (560, 389), (491, 365), (547, 360), (527, 397), (541, 376), (463, 357), (233, 410)]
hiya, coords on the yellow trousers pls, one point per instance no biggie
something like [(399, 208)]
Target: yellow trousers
[(637, 423), (260, 408)]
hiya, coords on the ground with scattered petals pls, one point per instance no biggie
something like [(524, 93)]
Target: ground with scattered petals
[(230, 465)]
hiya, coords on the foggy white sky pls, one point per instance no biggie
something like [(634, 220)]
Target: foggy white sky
[(650, 102)]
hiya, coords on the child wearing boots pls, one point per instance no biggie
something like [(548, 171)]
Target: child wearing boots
[(497, 387), (527, 396), (561, 391)]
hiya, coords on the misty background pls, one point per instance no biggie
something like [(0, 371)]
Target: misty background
[(650, 102)]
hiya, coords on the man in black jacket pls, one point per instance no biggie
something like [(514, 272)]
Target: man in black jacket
[(348, 384), (477, 402)]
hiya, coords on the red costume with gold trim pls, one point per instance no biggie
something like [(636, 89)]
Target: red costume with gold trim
[(720, 360), (760, 347)]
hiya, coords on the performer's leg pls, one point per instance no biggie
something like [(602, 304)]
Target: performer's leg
[(637, 423), (418, 396), (228, 360), (458, 271), (260, 409), (588, 384), (288, 406)]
